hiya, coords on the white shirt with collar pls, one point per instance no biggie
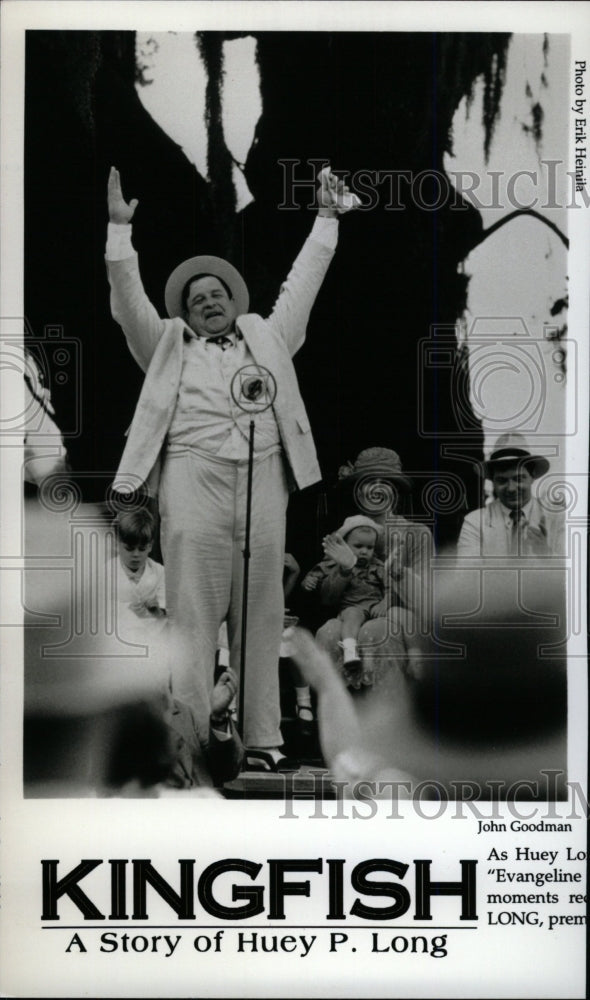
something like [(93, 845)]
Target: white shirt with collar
[(525, 514), (207, 416), (488, 530)]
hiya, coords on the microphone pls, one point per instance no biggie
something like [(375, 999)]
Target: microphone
[(253, 388)]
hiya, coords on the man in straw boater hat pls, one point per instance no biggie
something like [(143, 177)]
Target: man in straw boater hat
[(514, 523), (187, 417)]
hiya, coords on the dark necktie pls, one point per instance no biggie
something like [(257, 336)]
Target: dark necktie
[(515, 532), (223, 341)]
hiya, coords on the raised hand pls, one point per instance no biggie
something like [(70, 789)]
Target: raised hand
[(333, 195), (120, 211), (336, 548)]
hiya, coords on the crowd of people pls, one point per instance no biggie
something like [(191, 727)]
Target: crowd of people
[(379, 598)]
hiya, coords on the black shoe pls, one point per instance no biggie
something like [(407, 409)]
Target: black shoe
[(260, 760), (304, 721)]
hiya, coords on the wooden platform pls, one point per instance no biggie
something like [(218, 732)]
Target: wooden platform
[(309, 782)]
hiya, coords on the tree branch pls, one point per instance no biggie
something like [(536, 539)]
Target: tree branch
[(513, 215)]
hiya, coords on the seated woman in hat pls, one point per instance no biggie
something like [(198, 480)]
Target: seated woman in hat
[(372, 486)]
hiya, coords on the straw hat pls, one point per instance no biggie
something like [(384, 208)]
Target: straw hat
[(382, 463), (511, 449), (205, 264)]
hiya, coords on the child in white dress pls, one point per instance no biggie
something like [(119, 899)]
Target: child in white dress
[(141, 593)]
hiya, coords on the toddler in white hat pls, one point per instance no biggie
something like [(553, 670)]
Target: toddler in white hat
[(352, 578)]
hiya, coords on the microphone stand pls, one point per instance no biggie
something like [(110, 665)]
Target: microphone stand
[(254, 390), (246, 579)]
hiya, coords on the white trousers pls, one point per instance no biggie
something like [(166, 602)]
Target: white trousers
[(203, 518)]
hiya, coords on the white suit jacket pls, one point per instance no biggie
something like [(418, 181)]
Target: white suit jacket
[(156, 344), (484, 532)]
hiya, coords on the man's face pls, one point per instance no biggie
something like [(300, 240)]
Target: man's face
[(209, 310), (362, 542), (512, 486), (134, 557)]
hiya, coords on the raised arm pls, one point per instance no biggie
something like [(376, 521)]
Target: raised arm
[(291, 573), (345, 743), (338, 578), (291, 311), (130, 306)]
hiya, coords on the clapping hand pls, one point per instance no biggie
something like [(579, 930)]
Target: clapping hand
[(536, 537), (394, 563)]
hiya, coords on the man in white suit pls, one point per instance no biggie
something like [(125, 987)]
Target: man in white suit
[(515, 523), (189, 434)]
